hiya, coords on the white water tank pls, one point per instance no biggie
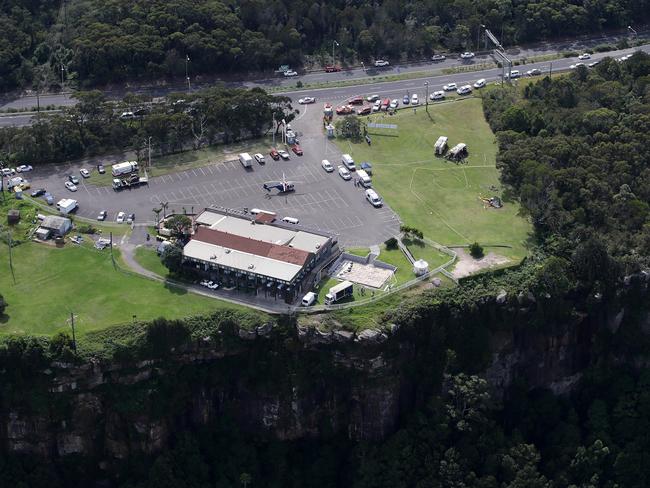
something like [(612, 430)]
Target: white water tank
[(420, 267)]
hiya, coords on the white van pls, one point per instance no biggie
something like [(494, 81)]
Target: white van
[(290, 220), (348, 162), (364, 178), (373, 198), (309, 299), (256, 211), (246, 160)]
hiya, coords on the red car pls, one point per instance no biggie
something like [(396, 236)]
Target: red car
[(274, 154), (344, 110), (365, 111), (356, 101), (297, 149), (332, 69)]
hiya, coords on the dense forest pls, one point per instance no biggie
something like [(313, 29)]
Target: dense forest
[(93, 42)]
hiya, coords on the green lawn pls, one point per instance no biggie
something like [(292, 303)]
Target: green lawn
[(148, 258), (51, 282), (421, 250), (358, 251), (439, 197)]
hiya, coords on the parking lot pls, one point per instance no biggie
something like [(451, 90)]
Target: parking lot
[(321, 201)]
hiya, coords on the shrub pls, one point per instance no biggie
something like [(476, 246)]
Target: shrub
[(3, 305), (87, 229), (299, 84), (476, 250), (391, 243)]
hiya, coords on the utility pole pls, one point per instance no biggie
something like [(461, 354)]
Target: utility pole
[(111, 246), (62, 70), (632, 31), (334, 44), (11, 262), (187, 76), (74, 338), (550, 69), (426, 100)]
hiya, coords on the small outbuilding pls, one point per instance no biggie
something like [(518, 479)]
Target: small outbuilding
[(53, 226), (13, 216)]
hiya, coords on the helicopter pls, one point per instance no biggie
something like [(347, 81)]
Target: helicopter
[(282, 186)]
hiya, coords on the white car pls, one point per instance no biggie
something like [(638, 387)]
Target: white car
[(260, 158), (513, 74), (7, 172), (577, 65), (450, 87), (306, 100), (23, 168), (290, 72), (373, 198), (438, 57), (372, 98), (595, 63), (283, 154), (467, 55), (415, 100), (70, 186), (584, 56), (464, 90), (327, 166), (534, 72), (479, 83), (380, 63), (377, 106), (394, 103), (127, 115), (344, 173), (84, 172), (437, 95), (120, 218)]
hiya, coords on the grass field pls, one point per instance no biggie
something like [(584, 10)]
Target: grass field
[(421, 250), (439, 197), (358, 251), (148, 258), (51, 282)]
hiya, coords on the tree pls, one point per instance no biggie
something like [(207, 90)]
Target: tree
[(180, 225), (245, 479), (172, 258), (350, 127), (476, 250), (3, 305), (467, 400)]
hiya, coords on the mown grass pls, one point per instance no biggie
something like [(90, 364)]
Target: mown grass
[(437, 196), (148, 258)]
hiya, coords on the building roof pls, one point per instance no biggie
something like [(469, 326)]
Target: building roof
[(54, 222)]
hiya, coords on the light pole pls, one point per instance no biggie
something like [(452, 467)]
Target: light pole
[(187, 76), (629, 28), (478, 39), (426, 100), (62, 70), (148, 144), (334, 44)]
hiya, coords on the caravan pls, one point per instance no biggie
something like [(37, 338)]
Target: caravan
[(440, 146)]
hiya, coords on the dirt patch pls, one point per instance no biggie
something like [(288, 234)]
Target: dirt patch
[(467, 265), (363, 274)]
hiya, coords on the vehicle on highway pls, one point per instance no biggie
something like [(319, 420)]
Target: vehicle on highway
[(595, 63), (120, 217), (39, 192), (464, 90), (274, 154), (479, 83), (102, 215), (259, 158), (377, 106), (23, 168), (327, 166), (364, 111), (380, 63), (332, 69), (534, 72), (70, 186), (283, 154), (584, 56), (438, 57), (131, 218), (415, 100), (373, 198), (577, 65), (290, 72), (372, 98), (84, 172), (100, 169), (406, 100), (394, 103), (73, 179), (127, 115), (344, 173), (437, 95), (355, 101), (467, 55), (450, 87), (297, 149), (306, 100), (344, 110)]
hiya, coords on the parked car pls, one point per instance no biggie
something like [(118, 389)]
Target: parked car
[(364, 111), (380, 63), (297, 149), (534, 72), (327, 166), (372, 98), (514, 74), (73, 179), (438, 57), (259, 158), (39, 192), (467, 55), (415, 100), (120, 217), (84, 172), (283, 154), (306, 100), (275, 155), (584, 56), (464, 90), (23, 168), (577, 65), (377, 106), (394, 103), (480, 83), (290, 72), (332, 69), (595, 63), (131, 218), (70, 186), (344, 110), (127, 115), (344, 173), (450, 87), (7, 172), (355, 101), (100, 169), (406, 100), (437, 95), (102, 215)]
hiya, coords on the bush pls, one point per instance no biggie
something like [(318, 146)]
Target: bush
[(87, 229), (391, 243), (3, 305), (299, 84), (476, 250)]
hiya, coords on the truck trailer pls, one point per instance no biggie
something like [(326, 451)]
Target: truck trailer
[(440, 146), (124, 168), (131, 181), (339, 292)]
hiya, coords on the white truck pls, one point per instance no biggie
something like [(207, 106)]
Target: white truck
[(338, 292), (364, 178), (129, 182), (348, 162), (124, 168), (440, 146), (246, 160), (66, 205)]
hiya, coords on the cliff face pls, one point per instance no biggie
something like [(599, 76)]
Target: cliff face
[(285, 383)]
